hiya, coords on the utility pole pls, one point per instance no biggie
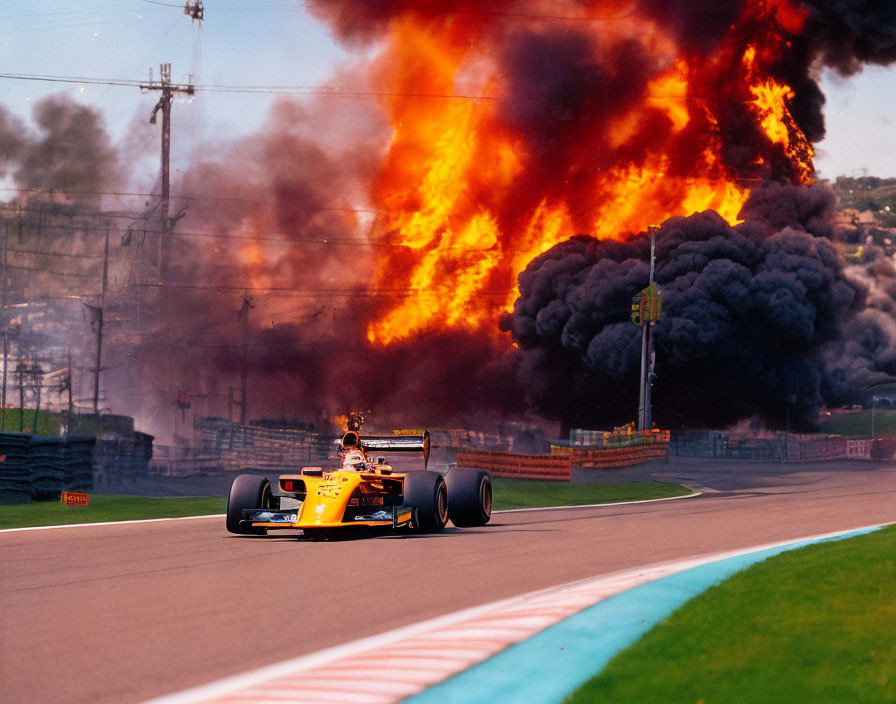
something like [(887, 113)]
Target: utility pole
[(36, 376), (168, 90), (21, 370), (645, 312), (98, 321), (648, 409), (244, 369), (69, 429), (3, 322)]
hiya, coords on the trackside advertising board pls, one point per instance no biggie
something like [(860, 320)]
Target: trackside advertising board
[(73, 498)]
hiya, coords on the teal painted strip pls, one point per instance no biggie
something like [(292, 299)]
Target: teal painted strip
[(554, 663)]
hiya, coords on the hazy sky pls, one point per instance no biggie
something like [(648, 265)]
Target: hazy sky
[(275, 42)]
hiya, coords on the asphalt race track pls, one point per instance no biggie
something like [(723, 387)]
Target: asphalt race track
[(123, 613)]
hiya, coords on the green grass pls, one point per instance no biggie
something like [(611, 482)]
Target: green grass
[(107, 508), (812, 625), (858, 424), (531, 493), (509, 493), (47, 423)]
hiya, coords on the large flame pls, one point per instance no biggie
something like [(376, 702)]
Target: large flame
[(459, 191)]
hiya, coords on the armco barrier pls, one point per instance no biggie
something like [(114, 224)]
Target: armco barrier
[(509, 464)]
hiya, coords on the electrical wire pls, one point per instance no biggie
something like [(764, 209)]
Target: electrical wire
[(279, 238), (406, 292), (271, 90)]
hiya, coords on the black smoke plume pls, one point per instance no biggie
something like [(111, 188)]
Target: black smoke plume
[(71, 151), (761, 319)]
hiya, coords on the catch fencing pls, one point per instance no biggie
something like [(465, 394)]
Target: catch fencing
[(227, 446), (782, 447)]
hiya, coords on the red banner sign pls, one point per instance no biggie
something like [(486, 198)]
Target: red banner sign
[(73, 498)]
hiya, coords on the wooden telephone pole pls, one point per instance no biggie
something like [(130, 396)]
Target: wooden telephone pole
[(168, 90), (244, 361)]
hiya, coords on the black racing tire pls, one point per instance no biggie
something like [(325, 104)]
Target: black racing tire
[(247, 491), (426, 491), (469, 496)]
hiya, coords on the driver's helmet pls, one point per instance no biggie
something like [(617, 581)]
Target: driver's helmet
[(354, 459)]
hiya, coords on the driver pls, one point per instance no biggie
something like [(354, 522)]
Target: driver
[(354, 459)]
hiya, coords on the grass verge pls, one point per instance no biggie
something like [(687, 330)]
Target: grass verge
[(107, 508), (858, 424), (509, 493), (532, 493), (812, 625)]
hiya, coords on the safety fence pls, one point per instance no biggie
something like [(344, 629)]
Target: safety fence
[(782, 447), (625, 436), (509, 464), (120, 457), (599, 458), (227, 446)]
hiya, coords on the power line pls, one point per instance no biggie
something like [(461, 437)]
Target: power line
[(288, 90), (19, 189), (280, 238), (55, 254), (272, 90), (51, 272), (406, 292), (103, 9)]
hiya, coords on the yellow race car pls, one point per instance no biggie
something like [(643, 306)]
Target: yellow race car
[(362, 492)]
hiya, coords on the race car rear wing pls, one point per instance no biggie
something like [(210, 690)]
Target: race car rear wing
[(390, 443)]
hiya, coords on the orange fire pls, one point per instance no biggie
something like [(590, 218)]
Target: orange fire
[(771, 106), (459, 192)]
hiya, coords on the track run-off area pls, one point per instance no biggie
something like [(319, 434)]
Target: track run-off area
[(130, 612)]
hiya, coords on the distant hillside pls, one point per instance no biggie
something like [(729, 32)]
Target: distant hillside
[(868, 193)]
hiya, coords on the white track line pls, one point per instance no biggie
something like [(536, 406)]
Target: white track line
[(113, 523), (612, 503), (344, 673), (221, 515)]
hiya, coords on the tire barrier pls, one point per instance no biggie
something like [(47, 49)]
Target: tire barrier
[(510, 464), (40, 467), (15, 474)]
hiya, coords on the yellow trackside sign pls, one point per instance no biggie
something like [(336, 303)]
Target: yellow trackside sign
[(647, 305), (73, 498)]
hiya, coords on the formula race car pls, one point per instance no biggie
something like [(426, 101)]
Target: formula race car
[(362, 492)]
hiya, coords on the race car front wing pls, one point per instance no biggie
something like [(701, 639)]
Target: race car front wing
[(392, 516)]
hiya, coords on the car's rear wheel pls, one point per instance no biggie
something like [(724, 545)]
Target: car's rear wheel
[(426, 491), (248, 491), (469, 496)]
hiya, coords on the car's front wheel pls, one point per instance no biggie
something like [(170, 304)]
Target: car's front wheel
[(248, 491)]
